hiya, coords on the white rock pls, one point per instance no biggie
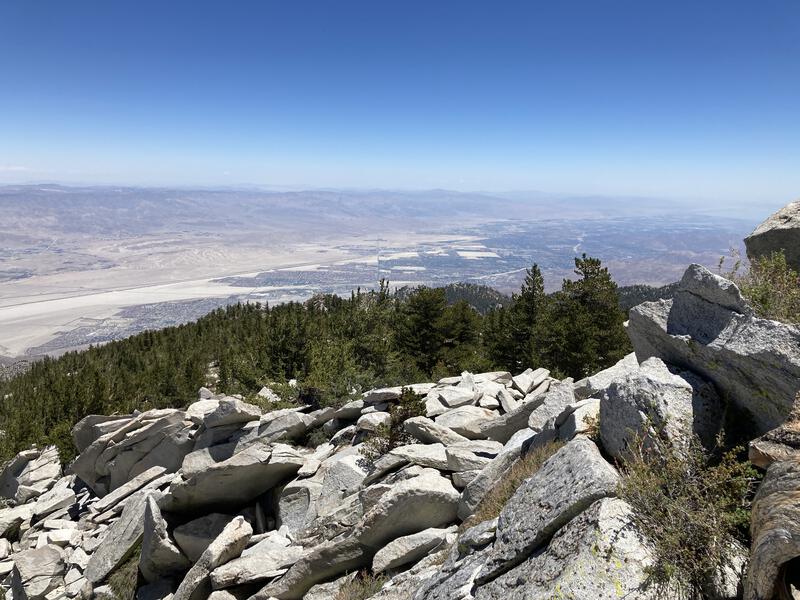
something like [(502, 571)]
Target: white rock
[(411, 548), (374, 421), (429, 432), (425, 455), (466, 420), (195, 536), (231, 411), (529, 379), (227, 546)]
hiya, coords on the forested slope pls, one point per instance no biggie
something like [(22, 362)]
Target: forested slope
[(333, 346)]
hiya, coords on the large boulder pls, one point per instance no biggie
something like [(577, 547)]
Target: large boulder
[(153, 438), (599, 555), (775, 529), (195, 536), (781, 231), (160, 557), (428, 500), (429, 432), (466, 420), (119, 541), (220, 477), (709, 329), (325, 562), (781, 443), (652, 400), (566, 484)]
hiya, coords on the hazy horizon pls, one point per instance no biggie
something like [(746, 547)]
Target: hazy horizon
[(680, 100)]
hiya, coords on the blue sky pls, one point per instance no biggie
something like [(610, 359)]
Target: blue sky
[(691, 99)]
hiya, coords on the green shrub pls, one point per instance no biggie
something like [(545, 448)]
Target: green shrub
[(492, 504), (770, 286), (393, 435), (691, 506), (361, 587)]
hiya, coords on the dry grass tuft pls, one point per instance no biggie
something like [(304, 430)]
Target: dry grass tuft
[(494, 501), (361, 587)]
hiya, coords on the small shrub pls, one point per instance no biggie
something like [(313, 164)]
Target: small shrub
[(314, 438), (125, 577), (361, 587), (691, 506), (496, 498), (770, 286), (393, 435)]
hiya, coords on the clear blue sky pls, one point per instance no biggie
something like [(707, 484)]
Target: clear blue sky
[(638, 97)]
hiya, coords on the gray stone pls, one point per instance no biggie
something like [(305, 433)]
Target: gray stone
[(599, 555), (195, 536), (593, 385), (478, 536), (707, 328), (227, 546), (374, 421), (775, 527), (256, 566), (583, 417), (433, 406), (340, 476), (234, 480), (503, 427), (654, 399), (782, 443), (160, 557), (30, 474), (428, 500), (430, 432), (565, 485), (490, 475), (411, 548), (91, 427), (119, 540), (557, 398), (529, 379), (12, 518), (231, 411), (466, 420), (781, 231), (463, 459), (37, 572), (129, 488), (325, 562), (61, 495), (425, 455), (453, 397)]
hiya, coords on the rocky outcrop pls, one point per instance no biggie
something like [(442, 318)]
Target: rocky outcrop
[(651, 400), (775, 529), (780, 232), (221, 502), (708, 328)]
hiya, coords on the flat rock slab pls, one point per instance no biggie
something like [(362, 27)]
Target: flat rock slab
[(565, 485), (119, 540), (411, 548)]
